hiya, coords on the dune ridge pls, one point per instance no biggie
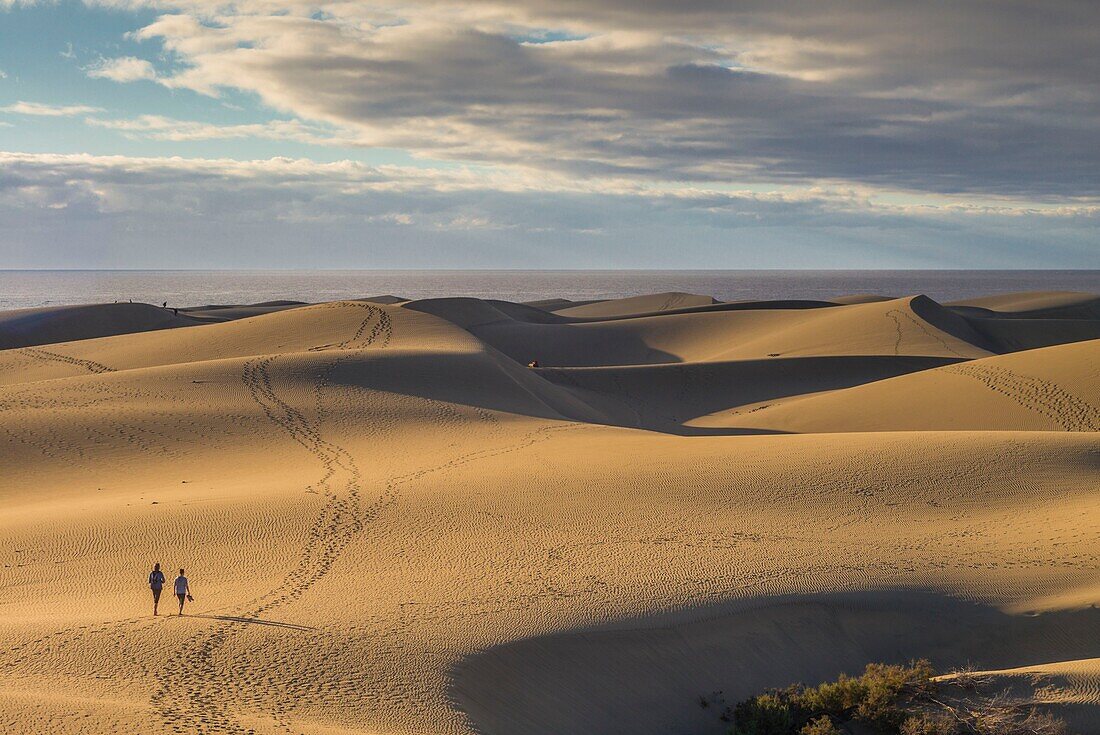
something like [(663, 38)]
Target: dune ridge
[(393, 525), (52, 324)]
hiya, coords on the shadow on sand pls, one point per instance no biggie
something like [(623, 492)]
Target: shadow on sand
[(744, 646), (253, 621)]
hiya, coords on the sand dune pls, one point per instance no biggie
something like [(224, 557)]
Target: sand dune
[(1054, 388), (52, 324), (793, 637), (860, 298), (664, 397), (228, 312), (1039, 304), (341, 325), (551, 304), (636, 305), (219, 313), (393, 526), (913, 327), (1013, 335), (1071, 689), (687, 306)]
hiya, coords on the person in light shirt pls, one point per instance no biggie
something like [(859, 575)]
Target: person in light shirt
[(183, 590)]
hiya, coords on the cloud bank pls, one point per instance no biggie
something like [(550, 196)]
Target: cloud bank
[(995, 98), (115, 211), (826, 133)]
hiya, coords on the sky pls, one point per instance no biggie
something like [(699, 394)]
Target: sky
[(549, 134)]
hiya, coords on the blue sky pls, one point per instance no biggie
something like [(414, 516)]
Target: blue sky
[(430, 133), (46, 50)]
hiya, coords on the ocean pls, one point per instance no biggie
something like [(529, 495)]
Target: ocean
[(23, 289)]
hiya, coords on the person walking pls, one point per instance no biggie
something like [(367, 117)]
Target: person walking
[(156, 584), (183, 590)]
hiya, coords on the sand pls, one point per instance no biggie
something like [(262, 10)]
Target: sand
[(392, 525)]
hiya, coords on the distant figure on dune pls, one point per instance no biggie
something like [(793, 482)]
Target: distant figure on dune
[(183, 591), (156, 583), (164, 305)]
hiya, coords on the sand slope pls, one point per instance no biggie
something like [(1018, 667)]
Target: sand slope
[(1070, 689), (1054, 388), (665, 397), (338, 325), (393, 526), (913, 326), (1013, 335), (51, 324), (1038, 304), (634, 305)]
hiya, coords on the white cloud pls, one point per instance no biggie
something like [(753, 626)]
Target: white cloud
[(3, 74), (159, 127), (123, 69), (305, 178), (46, 110)]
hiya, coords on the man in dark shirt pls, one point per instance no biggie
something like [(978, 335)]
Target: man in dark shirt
[(156, 583)]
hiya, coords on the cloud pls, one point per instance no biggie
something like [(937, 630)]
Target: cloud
[(159, 127), (44, 110), (123, 69), (3, 74), (114, 211), (904, 95)]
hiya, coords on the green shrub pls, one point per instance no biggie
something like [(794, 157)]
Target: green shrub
[(766, 714), (873, 698), (821, 726), (888, 687), (836, 699), (889, 700)]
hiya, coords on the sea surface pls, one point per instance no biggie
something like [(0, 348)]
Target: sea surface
[(23, 289)]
